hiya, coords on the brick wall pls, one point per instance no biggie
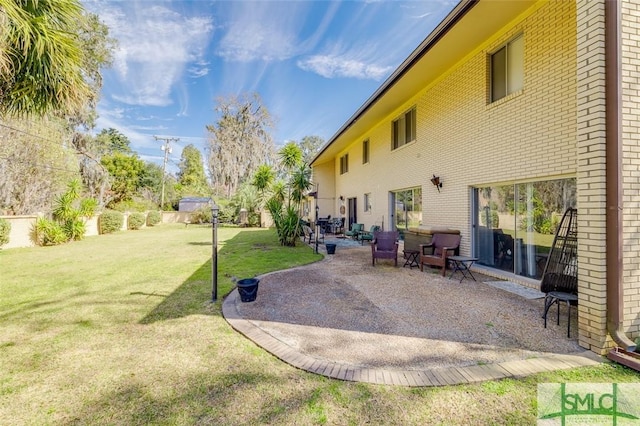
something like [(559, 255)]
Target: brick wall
[(554, 127), (631, 164), (591, 144), (466, 141)]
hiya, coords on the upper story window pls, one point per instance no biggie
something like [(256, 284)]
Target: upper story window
[(365, 151), (404, 129), (507, 69), (344, 164)]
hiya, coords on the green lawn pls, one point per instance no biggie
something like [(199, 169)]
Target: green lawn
[(119, 329)]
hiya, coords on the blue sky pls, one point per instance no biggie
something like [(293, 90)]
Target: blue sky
[(314, 63)]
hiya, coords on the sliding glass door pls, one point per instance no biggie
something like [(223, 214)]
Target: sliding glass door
[(514, 225)]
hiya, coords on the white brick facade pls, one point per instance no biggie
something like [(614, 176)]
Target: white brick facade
[(554, 127)]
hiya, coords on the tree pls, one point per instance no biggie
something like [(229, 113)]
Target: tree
[(43, 67), (310, 145), (125, 171), (285, 201), (150, 187), (110, 141), (191, 175), (95, 176), (35, 162), (239, 141)]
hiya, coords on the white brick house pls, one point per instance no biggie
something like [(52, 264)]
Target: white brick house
[(521, 108)]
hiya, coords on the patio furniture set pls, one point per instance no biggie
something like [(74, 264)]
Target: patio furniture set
[(442, 252), (559, 282)]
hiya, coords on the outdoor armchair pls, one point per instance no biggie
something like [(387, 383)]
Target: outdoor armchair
[(436, 253), (354, 232), (310, 235), (368, 236), (384, 246)]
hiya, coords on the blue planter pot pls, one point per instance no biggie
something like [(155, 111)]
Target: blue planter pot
[(248, 289), (331, 248)]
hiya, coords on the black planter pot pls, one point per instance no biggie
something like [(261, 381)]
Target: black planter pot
[(248, 289), (331, 248)]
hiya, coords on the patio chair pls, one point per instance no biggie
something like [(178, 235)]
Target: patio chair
[(436, 253), (356, 229), (560, 277), (368, 236), (384, 246), (337, 225), (310, 235)]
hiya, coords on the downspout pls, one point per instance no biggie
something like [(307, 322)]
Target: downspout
[(614, 200)]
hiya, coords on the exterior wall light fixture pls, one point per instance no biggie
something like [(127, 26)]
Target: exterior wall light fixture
[(435, 180)]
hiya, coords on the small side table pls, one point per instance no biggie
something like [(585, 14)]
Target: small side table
[(463, 265), (411, 257)]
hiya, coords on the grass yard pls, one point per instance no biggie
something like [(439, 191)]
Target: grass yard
[(119, 329)]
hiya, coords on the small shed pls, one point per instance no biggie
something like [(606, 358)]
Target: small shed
[(190, 204)]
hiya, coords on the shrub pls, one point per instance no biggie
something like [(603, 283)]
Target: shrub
[(136, 220), (49, 232), (254, 219), (153, 218), (201, 215), (5, 229), (70, 211), (110, 221)]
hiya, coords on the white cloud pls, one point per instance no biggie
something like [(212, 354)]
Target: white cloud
[(265, 31), (156, 45), (148, 128), (197, 72), (331, 66)]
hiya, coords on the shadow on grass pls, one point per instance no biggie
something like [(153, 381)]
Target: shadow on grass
[(193, 297), (230, 398), (247, 254)]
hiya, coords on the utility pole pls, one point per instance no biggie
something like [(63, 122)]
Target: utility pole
[(167, 150)]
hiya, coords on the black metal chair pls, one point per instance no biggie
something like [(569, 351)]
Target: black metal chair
[(560, 278)]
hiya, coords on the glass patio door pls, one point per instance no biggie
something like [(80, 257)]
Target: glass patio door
[(514, 225)]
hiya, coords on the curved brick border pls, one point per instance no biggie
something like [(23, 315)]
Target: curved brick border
[(429, 377)]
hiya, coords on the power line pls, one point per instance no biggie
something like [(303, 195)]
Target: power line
[(36, 165), (24, 132)]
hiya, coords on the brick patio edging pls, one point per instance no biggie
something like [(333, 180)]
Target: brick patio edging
[(415, 378)]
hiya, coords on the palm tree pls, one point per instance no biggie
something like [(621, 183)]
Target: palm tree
[(41, 60), (286, 197)]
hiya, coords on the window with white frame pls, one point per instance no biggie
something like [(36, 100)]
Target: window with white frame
[(507, 69), (344, 164), (365, 151), (403, 129), (367, 202)]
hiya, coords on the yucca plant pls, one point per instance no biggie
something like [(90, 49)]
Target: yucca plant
[(49, 233), (69, 215), (286, 198)]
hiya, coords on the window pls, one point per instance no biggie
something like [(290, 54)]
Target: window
[(344, 164), (407, 210), (507, 69), (404, 129), (367, 202), (365, 151)]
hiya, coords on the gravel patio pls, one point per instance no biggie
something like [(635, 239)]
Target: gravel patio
[(344, 318)]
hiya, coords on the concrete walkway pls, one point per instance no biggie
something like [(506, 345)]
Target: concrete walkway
[(323, 337)]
